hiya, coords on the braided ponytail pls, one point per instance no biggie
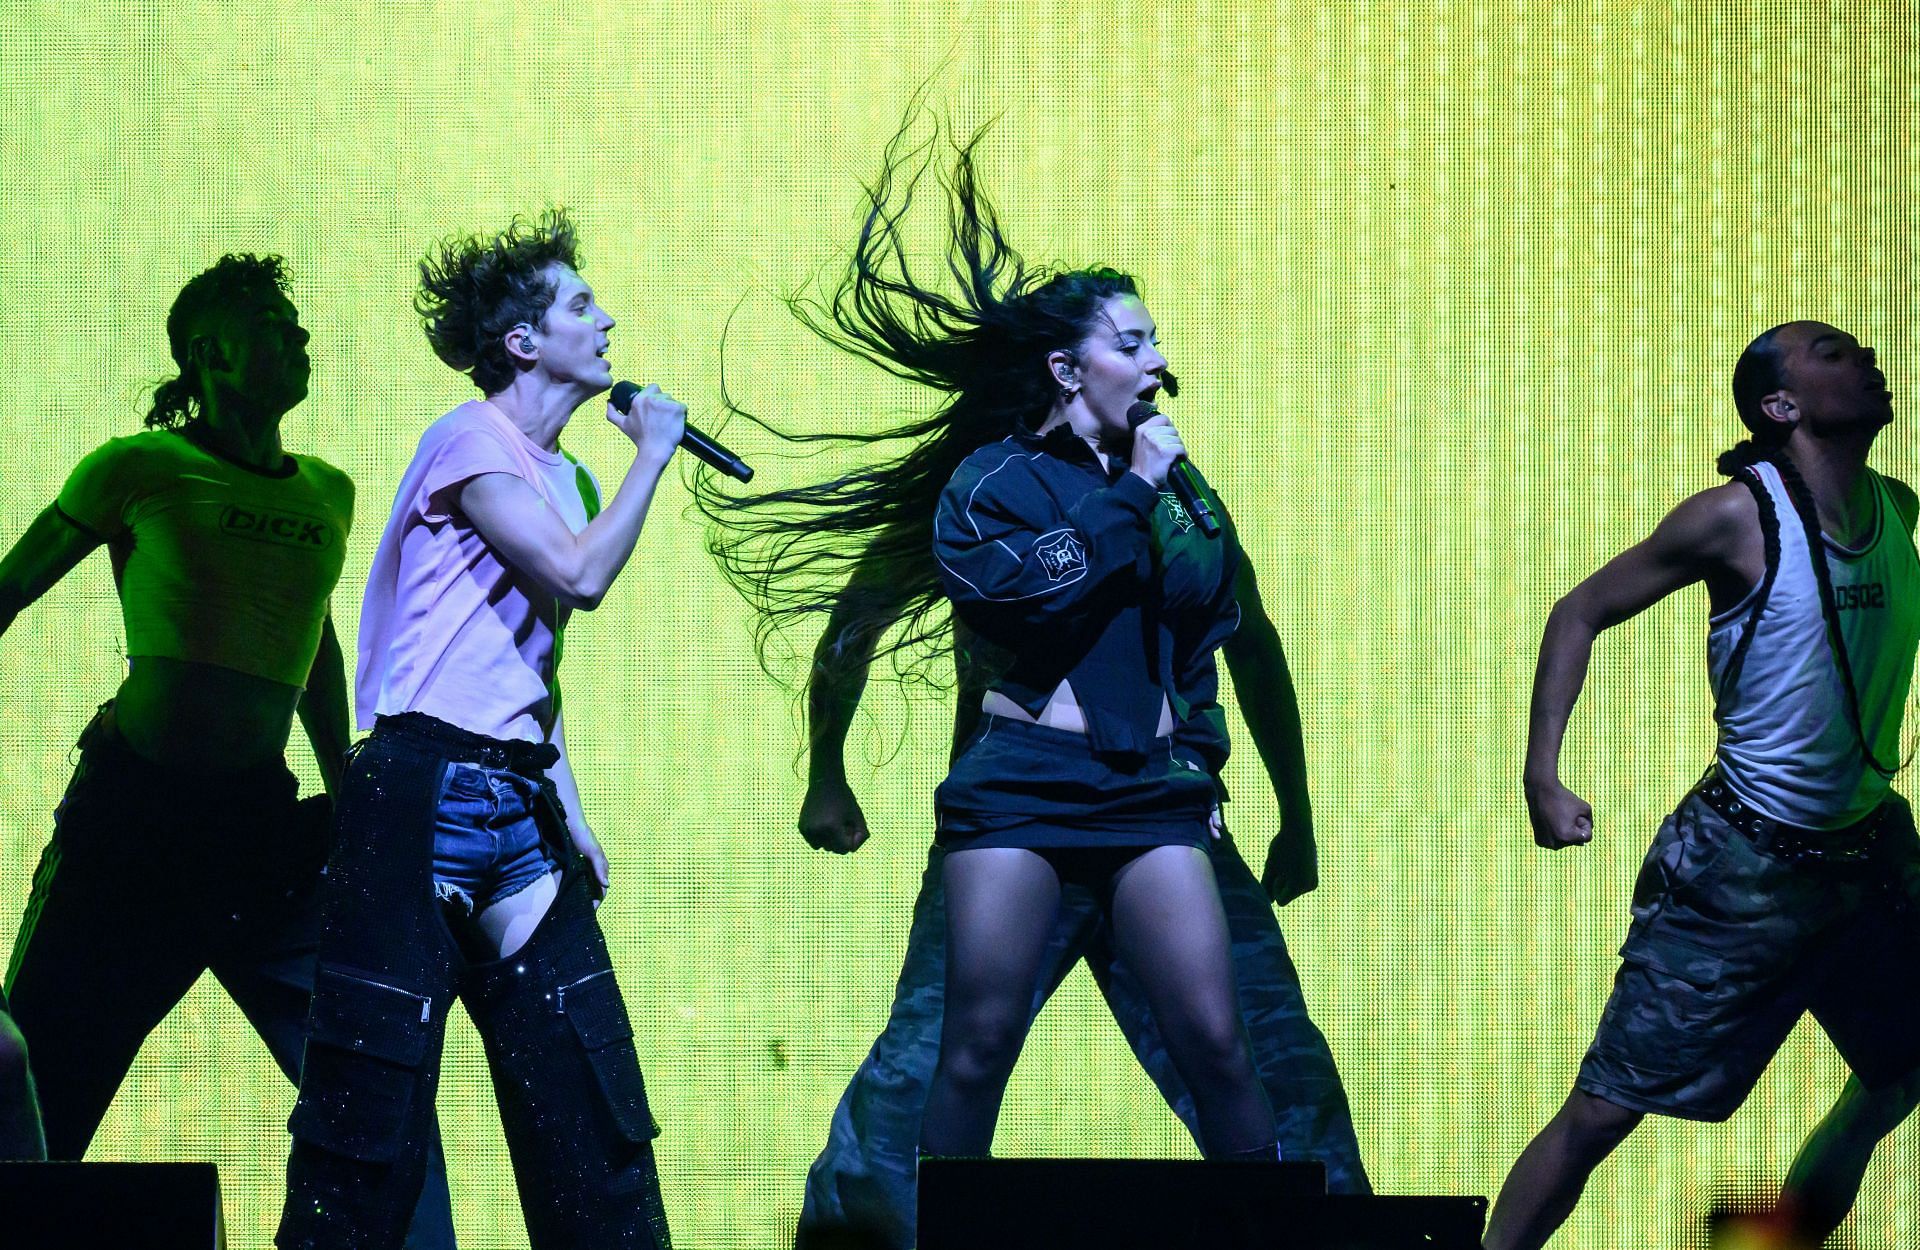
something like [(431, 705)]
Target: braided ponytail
[(1817, 548), (238, 278), (1742, 472), (175, 402), (1745, 454)]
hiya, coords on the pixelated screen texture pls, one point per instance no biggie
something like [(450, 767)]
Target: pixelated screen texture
[(1454, 289)]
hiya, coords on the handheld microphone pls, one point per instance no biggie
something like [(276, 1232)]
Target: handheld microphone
[(693, 440), (1186, 487)]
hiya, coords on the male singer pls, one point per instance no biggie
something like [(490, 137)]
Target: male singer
[(463, 865)]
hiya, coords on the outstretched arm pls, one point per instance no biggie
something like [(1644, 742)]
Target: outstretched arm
[(323, 708), (1714, 534), (1271, 708), (44, 554), (830, 815)]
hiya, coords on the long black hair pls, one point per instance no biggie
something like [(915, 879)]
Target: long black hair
[(1760, 372), (238, 278), (860, 543)]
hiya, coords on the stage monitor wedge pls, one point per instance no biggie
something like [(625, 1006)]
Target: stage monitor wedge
[(1163, 1204), (76, 1206)]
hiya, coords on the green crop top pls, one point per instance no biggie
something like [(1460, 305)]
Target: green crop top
[(216, 562)]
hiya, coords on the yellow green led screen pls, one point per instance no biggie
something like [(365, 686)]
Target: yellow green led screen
[(1454, 290)]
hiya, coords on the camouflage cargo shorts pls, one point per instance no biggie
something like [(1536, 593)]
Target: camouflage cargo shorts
[(1731, 944)]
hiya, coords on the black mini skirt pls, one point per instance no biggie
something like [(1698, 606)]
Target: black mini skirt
[(1018, 784)]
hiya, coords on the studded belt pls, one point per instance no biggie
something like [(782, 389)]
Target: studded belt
[(1850, 844), (529, 759)]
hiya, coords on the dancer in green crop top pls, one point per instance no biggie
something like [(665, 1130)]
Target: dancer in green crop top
[(181, 821)]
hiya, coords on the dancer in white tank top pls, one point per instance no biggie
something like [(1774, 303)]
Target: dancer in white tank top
[(1788, 746), (1785, 882)]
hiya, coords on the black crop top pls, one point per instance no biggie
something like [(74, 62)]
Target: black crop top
[(1088, 575)]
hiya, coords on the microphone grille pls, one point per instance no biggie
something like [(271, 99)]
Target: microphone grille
[(1141, 410), (623, 393)]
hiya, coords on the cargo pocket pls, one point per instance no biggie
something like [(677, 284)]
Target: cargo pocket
[(1656, 946), (366, 1044), (594, 1008), (1668, 1010)]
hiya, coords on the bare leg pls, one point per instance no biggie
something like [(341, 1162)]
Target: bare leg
[(20, 1134), (1826, 1174), (1169, 928), (508, 924), (1000, 908), (862, 1185), (1311, 1116), (1547, 1178)]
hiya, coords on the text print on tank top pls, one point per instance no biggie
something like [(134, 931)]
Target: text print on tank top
[(1787, 745)]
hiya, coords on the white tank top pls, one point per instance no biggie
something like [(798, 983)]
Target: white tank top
[(1787, 745)]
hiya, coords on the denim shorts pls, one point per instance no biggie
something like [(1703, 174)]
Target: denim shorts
[(487, 844), (1731, 945)]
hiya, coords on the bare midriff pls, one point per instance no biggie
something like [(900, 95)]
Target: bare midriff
[(1062, 711), (203, 717)]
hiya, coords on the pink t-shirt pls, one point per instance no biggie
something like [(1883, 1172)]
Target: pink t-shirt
[(447, 627)]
